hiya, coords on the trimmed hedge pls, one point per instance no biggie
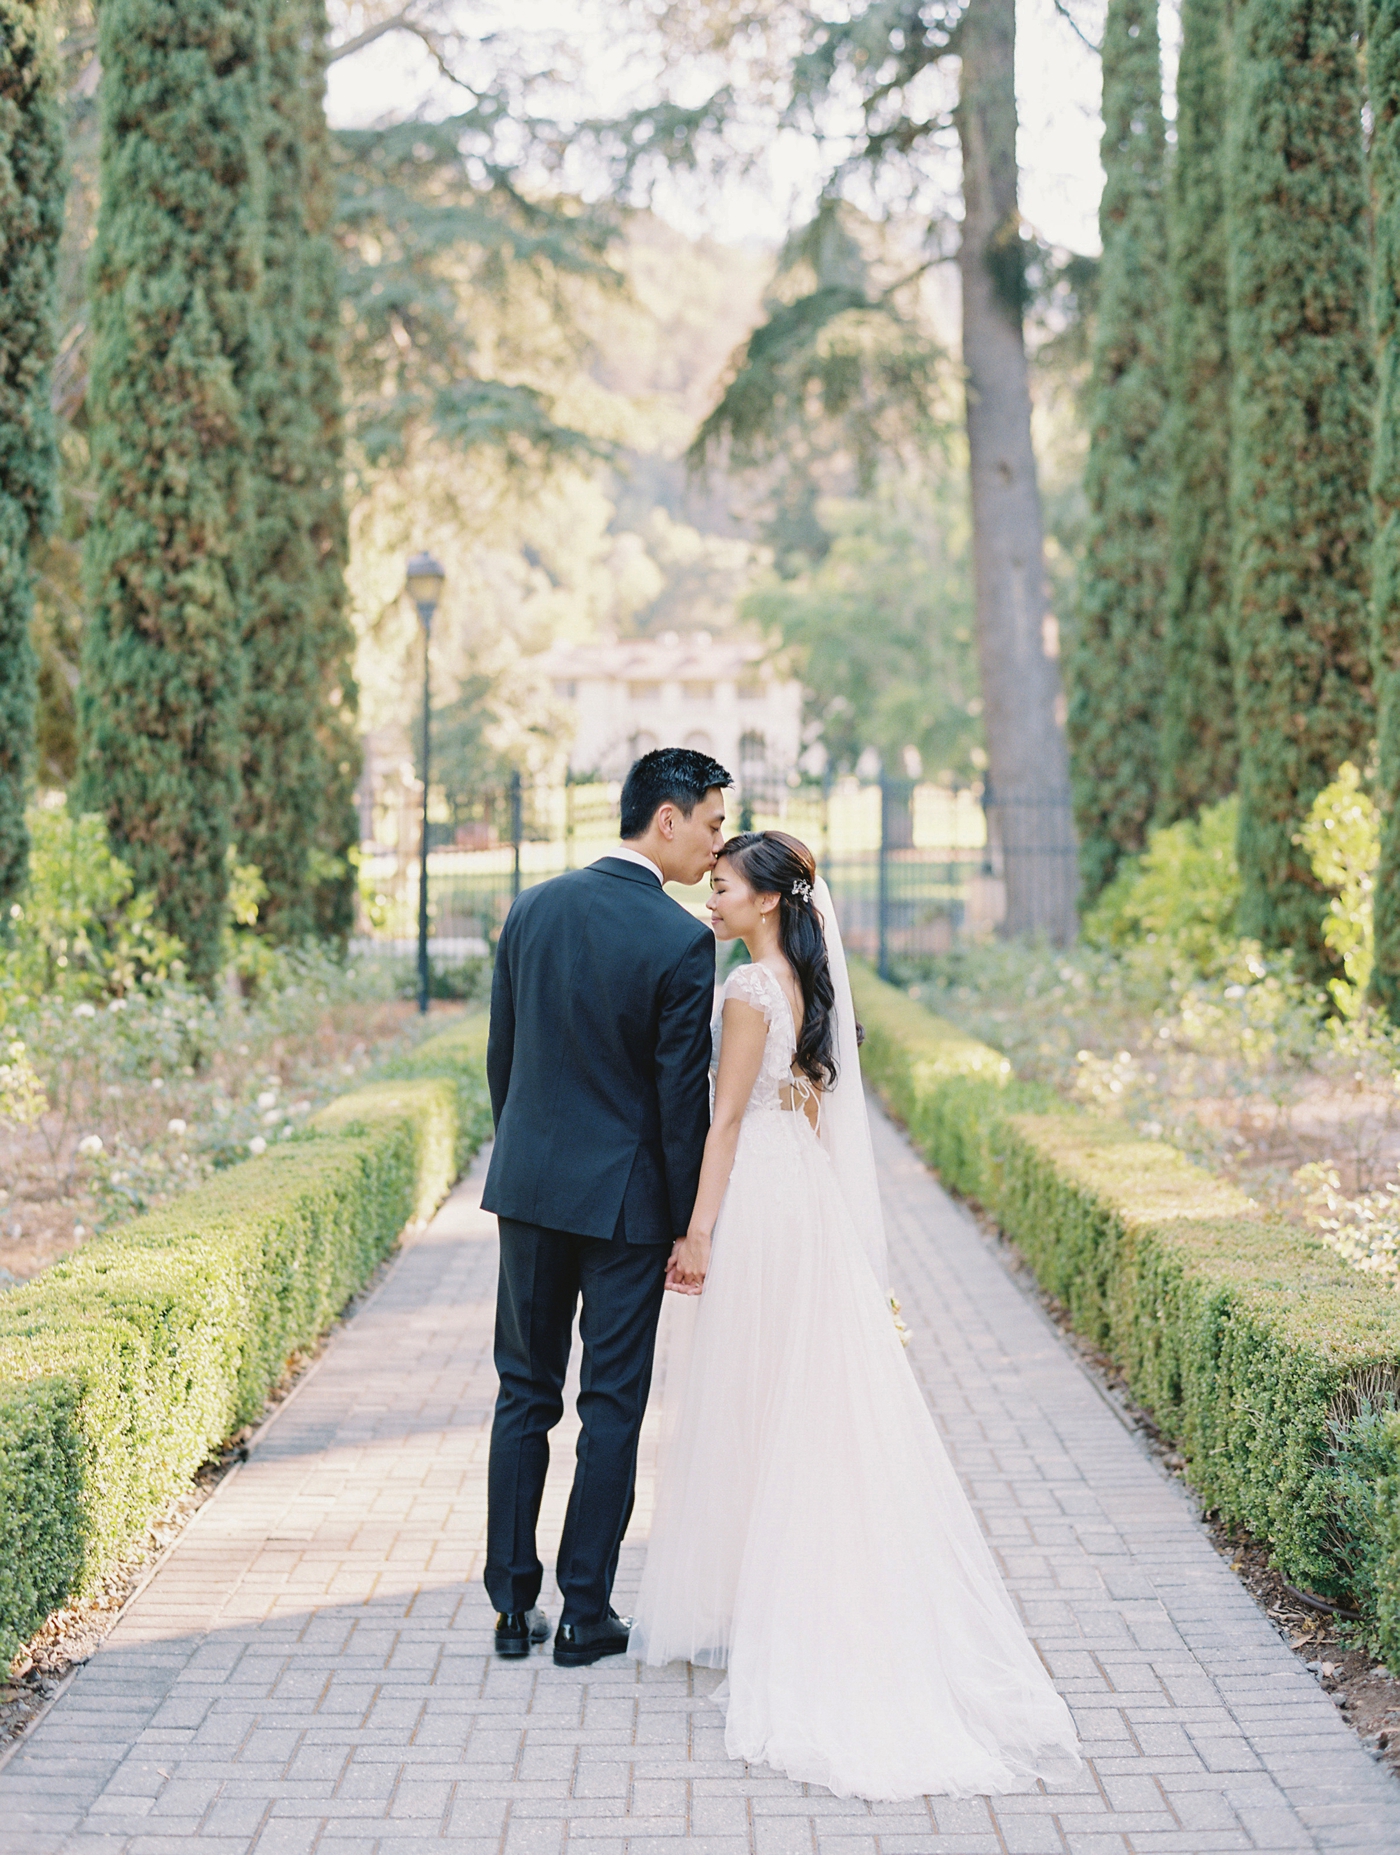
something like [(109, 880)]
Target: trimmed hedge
[(1272, 1365), (125, 1366)]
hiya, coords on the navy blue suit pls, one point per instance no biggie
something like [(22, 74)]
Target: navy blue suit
[(598, 1064)]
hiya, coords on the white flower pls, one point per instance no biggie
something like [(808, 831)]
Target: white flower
[(85, 1011), (272, 1117), (177, 1126), (116, 1004), (80, 1230), (268, 1098), (257, 1145), (157, 1082), (90, 1143)]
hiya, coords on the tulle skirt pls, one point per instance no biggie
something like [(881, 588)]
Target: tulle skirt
[(810, 1534)]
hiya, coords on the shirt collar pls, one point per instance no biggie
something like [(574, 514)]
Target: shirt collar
[(628, 855)]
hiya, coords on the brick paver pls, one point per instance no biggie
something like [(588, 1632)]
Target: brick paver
[(311, 1668)]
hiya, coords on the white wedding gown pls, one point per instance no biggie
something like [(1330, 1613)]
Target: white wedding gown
[(810, 1534)]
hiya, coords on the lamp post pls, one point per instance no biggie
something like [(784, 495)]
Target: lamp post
[(424, 580)]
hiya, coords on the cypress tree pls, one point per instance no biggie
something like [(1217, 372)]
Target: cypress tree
[(1383, 78), (1301, 419), (1116, 667), (31, 220), (1198, 743), (174, 288), (296, 639), (338, 740)]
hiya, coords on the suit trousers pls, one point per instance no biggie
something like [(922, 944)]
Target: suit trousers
[(542, 1277)]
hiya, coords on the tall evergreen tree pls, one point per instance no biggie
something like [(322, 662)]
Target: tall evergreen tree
[(1383, 80), (1199, 754), (1301, 441), (31, 220), (1116, 659), (175, 286), (298, 753), (338, 737)]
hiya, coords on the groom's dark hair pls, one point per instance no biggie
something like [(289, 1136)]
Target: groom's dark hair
[(677, 776)]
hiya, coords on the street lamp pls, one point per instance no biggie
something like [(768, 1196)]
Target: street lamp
[(424, 580)]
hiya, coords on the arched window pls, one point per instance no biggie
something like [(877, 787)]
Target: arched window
[(700, 742), (753, 749)]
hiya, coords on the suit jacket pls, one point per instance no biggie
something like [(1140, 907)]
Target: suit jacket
[(598, 1056)]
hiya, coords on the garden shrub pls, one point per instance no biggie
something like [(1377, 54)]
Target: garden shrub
[(1255, 1348), (1183, 889), (124, 1366)]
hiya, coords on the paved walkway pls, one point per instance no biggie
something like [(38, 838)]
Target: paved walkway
[(311, 1669)]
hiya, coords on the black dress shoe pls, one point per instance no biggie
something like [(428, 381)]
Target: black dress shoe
[(577, 1645), (517, 1629)]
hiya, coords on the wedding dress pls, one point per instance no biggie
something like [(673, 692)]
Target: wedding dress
[(810, 1534)]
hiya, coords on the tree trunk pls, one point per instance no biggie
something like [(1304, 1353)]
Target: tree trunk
[(1023, 707)]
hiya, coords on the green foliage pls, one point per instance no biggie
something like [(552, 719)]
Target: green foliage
[(1251, 1346), (1199, 755), (1383, 90), (31, 219), (175, 287), (80, 930), (839, 370), (299, 754), (1184, 890), (1342, 838), (336, 706), (1301, 429), (425, 209), (123, 1367), (1115, 666), (881, 630)]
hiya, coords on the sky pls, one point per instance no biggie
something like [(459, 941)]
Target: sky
[(1057, 86)]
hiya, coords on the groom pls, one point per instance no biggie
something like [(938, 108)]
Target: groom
[(598, 1063)]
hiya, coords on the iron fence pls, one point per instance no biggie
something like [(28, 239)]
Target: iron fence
[(914, 868)]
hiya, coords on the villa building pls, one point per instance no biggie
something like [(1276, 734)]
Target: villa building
[(718, 695)]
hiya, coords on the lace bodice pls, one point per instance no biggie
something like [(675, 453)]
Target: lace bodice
[(755, 985)]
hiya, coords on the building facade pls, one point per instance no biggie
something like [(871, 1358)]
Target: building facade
[(718, 695)]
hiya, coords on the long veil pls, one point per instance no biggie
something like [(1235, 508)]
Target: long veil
[(845, 1124), (845, 1136)]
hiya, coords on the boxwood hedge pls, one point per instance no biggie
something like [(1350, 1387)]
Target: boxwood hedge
[(124, 1366), (1272, 1365)]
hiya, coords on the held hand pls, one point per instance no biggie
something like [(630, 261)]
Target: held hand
[(689, 1264)]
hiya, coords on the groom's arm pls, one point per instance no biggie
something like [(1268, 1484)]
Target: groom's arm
[(683, 1074), (500, 1037)]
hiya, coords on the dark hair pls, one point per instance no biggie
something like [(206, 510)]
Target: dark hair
[(667, 775), (772, 863)]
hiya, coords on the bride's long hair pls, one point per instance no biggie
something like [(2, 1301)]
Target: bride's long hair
[(772, 863)]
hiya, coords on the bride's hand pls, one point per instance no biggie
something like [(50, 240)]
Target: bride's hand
[(690, 1261)]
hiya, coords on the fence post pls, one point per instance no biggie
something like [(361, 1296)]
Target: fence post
[(883, 903), (516, 831)]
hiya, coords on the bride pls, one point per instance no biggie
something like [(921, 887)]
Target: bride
[(810, 1535)]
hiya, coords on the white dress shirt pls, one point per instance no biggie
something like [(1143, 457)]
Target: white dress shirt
[(628, 855)]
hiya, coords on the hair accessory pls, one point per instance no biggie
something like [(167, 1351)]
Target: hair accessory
[(803, 889)]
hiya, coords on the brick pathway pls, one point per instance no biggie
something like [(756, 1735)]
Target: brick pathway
[(311, 1669)]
